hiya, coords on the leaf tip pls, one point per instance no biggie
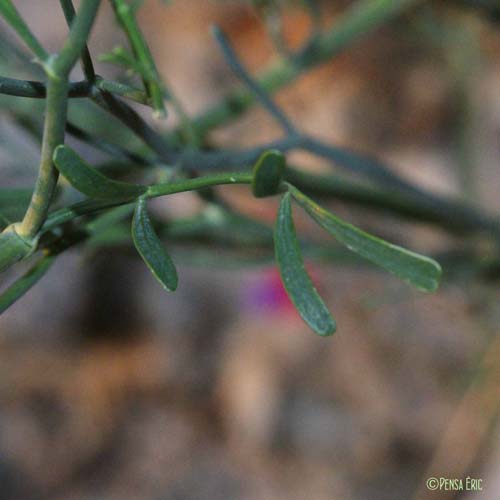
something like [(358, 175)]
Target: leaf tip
[(59, 152), (328, 329)]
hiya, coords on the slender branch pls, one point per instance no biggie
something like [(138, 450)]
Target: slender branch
[(87, 65), (450, 215), (361, 164), (240, 71), (351, 161), (11, 15), (77, 39), (38, 90), (87, 207), (401, 194), (230, 159), (363, 17), (106, 99), (198, 183), (53, 135), (57, 68), (125, 14), (134, 122), (97, 142)]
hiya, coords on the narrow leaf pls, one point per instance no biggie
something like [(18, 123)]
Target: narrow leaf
[(15, 291), (418, 270), (90, 181), (297, 282), (267, 173), (150, 248)]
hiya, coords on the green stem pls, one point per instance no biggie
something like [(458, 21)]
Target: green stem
[(87, 207), (11, 15), (87, 65), (53, 135), (57, 69), (450, 215), (198, 183), (125, 14), (131, 119), (38, 90), (362, 18), (76, 41)]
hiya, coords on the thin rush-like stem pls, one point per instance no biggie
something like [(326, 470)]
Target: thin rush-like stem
[(16, 22), (87, 65), (363, 17), (57, 69), (114, 150), (38, 90), (240, 71), (92, 206), (125, 14), (53, 135)]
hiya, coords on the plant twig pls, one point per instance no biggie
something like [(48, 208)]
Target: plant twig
[(38, 90), (239, 70), (11, 15), (87, 65), (363, 17), (87, 207), (57, 68), (125, 14)]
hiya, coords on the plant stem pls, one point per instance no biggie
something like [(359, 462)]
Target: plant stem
[(198, 183), (53, 135), (450, 215), (11, 15), (57, 69), (130, 118), (359, 20), (86, 207), (38, 90), (125, 14), (87, 65), (240, 72), (77, 39)]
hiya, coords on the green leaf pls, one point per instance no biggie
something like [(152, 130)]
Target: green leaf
[(297, 282), (13, 247), (90, 181), (150, 248), (418, 270), (267, 173), (15, 291)]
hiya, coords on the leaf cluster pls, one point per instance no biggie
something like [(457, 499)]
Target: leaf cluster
[(38, 225)]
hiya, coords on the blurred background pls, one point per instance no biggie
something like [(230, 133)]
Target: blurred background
[(112, 389)]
